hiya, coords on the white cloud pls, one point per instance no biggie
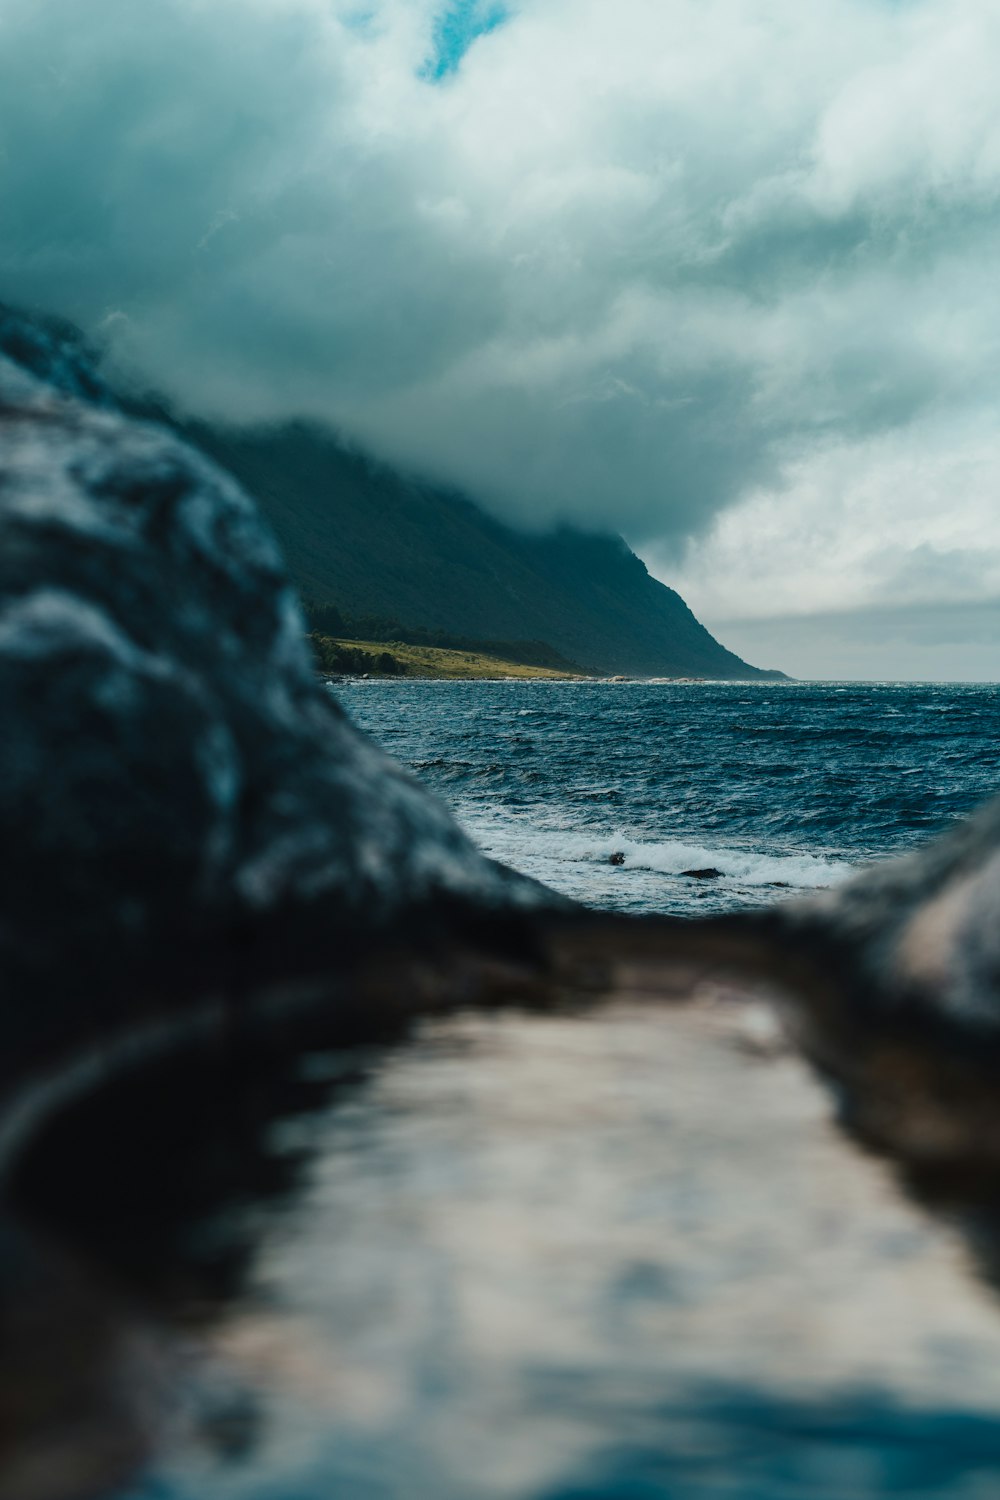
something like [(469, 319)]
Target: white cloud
[(689, 268), (900, 517)]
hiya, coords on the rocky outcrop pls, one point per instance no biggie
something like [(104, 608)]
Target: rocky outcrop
[(181, 801), (896, 983)]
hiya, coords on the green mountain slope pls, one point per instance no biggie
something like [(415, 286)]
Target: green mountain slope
[(358, 535)]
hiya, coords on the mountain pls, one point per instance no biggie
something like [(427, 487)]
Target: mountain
[(360, 536), (363, 538)]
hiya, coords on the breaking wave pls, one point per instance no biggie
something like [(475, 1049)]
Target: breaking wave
[(669, 798), (745, 867)]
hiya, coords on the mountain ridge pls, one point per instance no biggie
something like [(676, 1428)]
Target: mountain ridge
[(360, 536)]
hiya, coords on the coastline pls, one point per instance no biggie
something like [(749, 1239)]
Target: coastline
[(346, 659), (390, 660)]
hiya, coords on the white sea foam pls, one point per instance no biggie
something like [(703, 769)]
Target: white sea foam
[(524, 845), (743, 866)]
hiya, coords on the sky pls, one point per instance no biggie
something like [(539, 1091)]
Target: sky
[(720, 275)]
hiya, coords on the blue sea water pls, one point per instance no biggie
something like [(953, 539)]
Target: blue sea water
[(782, 787)]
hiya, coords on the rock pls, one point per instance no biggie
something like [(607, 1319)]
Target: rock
[(708, 873), (896, 976), (618, 858), (181, 801), (56, 354)]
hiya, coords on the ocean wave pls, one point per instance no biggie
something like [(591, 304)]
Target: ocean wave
[(805, 790), (673, 857), (741, 866)]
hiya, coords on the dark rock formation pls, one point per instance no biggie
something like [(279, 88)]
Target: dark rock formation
[(56, 353), (181, 802), (897, 997)]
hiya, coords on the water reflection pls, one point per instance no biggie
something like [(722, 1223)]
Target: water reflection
[(624, 1254)]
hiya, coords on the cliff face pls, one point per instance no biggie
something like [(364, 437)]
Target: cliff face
[(361, 536)]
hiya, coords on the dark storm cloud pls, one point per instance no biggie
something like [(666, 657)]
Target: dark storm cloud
[(636, 265)]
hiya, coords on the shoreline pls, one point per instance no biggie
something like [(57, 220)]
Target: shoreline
[(536, 676), (347, 660)]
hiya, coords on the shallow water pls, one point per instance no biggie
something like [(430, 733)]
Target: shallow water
[(781, 787)]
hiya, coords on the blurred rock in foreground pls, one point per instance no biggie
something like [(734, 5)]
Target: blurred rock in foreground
[(344, 1232), (182, 803)]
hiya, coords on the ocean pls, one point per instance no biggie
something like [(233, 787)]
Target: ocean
[(610, 792)]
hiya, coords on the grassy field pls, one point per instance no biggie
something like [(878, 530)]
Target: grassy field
[(433, 661)]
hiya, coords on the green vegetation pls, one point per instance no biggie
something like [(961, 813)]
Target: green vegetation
[(340, 659), (351, 658), (328, 620)]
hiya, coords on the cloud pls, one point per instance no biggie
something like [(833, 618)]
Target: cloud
[(945, 642), (720, 276), (897, 517)]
